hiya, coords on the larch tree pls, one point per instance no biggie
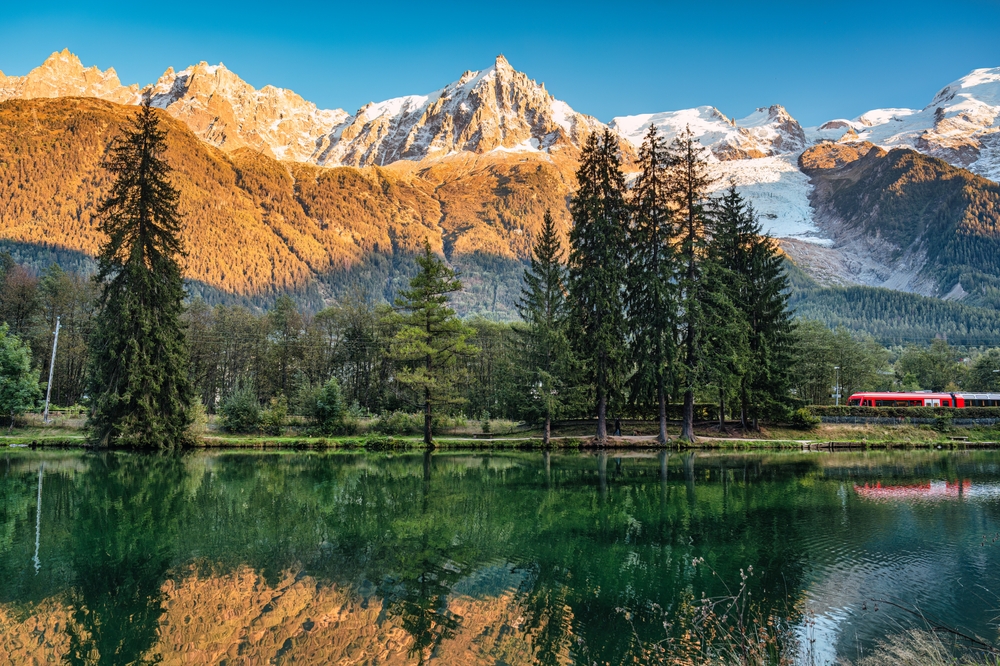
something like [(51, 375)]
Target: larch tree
[(597, 268), (651, 296), (431, 340), (139, 384), (549, 362), (690, 182)]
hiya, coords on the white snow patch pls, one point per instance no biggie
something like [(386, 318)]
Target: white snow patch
[(779, 192)]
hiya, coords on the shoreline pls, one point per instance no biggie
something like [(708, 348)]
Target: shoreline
[(567, 443)]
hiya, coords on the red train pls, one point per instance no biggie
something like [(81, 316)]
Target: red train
[(925, 399)]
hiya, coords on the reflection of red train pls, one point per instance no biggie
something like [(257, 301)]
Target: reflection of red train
[(927, 490), (925, 399)]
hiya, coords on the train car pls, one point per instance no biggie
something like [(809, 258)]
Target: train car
[(978, 399), (925, 399), (915, 399)]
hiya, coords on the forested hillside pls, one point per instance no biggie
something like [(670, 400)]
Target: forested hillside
[(256, 228), (917, 205), (898, 318)]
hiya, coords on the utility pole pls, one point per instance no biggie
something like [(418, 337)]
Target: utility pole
[(836, 389), (52, 365)]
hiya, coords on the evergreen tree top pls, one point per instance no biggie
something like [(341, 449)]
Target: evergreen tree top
[(140, 215)]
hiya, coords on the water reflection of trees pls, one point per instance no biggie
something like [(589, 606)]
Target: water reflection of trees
[(588, 535), (128, 514)]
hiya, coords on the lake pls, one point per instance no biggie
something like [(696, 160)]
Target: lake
[(492, 558)]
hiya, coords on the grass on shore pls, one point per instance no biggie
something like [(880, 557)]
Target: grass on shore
[(70, 432)]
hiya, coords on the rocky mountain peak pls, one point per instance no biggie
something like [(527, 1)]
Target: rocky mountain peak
[(226, 111), (498, 108), (63, 75)]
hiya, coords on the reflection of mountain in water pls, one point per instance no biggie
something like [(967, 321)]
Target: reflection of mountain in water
[(242, 618)]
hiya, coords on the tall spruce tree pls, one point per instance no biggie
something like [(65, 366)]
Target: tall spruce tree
[(549, 362), (651, 296), (757, 286), (725, 339), (432, 339), (689, 189), (597, 268), (139, 383)]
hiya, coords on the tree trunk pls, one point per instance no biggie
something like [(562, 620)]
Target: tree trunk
[(602, 415), (744, 407), (687, 425), (427, 418), (722, 410), (662, 399), (548, 430)]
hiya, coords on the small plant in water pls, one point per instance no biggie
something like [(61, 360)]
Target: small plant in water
[(731, 629)]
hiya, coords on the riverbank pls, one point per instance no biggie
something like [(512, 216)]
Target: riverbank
[(823, 437)]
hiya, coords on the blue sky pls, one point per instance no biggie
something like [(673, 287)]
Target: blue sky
[(820, 61)]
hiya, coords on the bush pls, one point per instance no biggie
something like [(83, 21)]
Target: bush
[(485, 423), (240, 412), (907, 412), (199, 419), (378, 443), (398, 423), (328, 410), (803, 418), (272, 419)]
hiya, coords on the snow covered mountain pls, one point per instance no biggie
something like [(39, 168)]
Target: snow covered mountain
[(961, 125), (497, 108), (764, 133)]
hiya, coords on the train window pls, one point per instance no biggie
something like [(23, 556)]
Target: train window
[(854, 403), (946, 403)]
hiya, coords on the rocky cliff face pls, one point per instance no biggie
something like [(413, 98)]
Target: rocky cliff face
[(227, 112), (497, 108), (764, 133), (63, 75)]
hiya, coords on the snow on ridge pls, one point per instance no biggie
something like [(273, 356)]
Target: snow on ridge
[(960, 125), (766, 131)]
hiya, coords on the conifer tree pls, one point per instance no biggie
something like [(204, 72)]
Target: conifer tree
[(689, 186), (724, 291), (758, 289), (139, 386), (651, 296), (432, 339), (549, 360), (597, 267)]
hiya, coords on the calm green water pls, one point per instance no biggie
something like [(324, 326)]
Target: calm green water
[(479, 558)]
